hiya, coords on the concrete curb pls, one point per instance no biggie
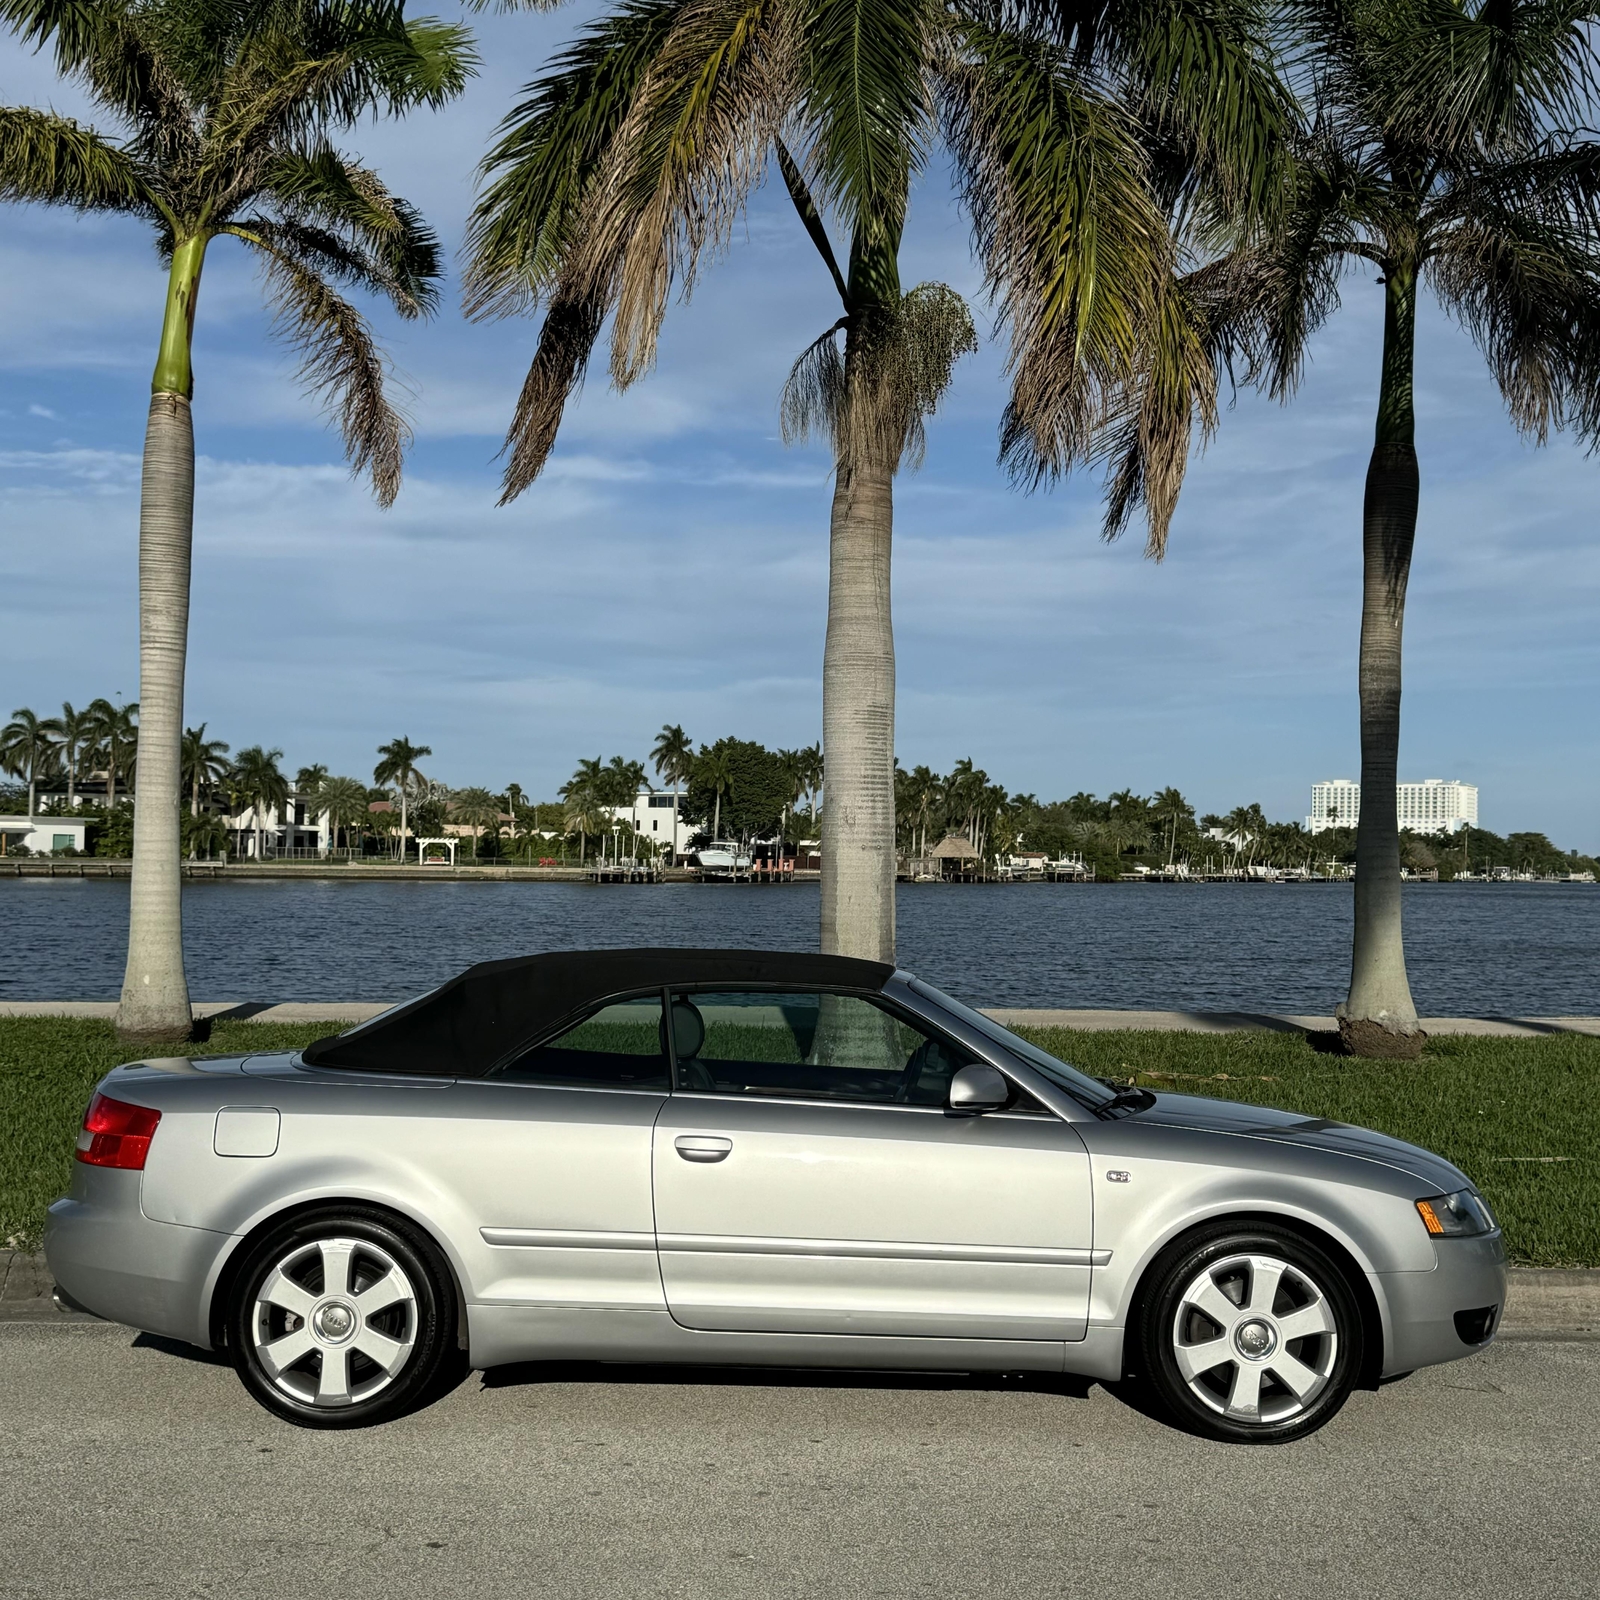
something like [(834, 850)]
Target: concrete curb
[(348, 1011), (1543, 1303)]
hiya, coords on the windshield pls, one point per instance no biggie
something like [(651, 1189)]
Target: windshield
[(1089, 1090)]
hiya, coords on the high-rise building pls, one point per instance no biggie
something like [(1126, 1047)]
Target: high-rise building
[(1432, 806)]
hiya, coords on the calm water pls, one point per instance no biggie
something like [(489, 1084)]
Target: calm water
[(1472, 949)]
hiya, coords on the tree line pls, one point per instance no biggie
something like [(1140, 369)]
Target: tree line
[(732, 788), (1164, 196)]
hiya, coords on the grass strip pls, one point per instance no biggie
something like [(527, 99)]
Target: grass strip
[(1520, 1116)]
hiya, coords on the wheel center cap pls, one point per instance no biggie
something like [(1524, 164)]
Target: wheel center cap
[(1255, 1340), (334, 1321)]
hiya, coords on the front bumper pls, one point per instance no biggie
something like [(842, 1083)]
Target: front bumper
[(1423, 1306), (117, 1263)]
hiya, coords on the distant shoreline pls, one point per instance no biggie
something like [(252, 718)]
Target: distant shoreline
[(500, 872)]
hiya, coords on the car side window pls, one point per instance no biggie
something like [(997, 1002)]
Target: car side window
[(620, 1046), (815, 1046)]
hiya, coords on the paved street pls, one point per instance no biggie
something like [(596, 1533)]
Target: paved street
[(130, 1468)]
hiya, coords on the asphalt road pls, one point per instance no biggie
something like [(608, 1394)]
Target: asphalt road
[(130, 1468)]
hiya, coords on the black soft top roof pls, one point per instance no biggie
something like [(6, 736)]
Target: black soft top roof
[(463, 1028)]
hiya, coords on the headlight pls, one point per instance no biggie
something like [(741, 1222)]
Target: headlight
[(1455, 1216)]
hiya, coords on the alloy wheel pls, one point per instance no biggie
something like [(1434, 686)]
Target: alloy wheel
[(334, 1322), (1255, 1338)]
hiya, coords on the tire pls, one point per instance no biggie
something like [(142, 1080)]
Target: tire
[(1251, 1335), (342, 1318)]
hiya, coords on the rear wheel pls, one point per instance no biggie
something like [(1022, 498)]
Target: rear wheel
[(1250, 1335), (341, 1318)]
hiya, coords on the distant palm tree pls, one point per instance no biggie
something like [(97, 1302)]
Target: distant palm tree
[(224, 112), (208, 833), (259, 782), (114, 736), (27, 750), (344, 801), (73, 733), (398, 765), (672, 755), (203, 763), (715, 770), (308, 780), (1171, 810), (581, 793), (478, 809), (1440, 157), (812, 770)]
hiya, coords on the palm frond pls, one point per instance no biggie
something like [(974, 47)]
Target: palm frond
[(1527, 288), (559, 363), (340, 362), (1505, 71), (868, 100), (548, 153), (678, 171), (1074, 246), (56, 161), (321, 186)]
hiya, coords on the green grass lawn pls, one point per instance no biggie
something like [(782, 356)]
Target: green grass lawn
[(1496, 1107)]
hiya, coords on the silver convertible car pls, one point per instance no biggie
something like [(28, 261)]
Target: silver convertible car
[(742, 1157)]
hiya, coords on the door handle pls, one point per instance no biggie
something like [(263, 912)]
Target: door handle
[(702, 1147)]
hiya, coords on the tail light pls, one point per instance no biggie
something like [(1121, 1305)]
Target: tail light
[(116, 1134)]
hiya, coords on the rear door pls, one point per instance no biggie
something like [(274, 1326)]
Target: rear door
[(552, 1158), (807, 1179)]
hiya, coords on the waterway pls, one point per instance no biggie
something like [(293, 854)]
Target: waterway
[(1472, 949)]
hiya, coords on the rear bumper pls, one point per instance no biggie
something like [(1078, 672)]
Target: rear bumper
[(115, 1262), (1423, 1307)]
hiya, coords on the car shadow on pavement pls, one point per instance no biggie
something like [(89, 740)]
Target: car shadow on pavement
[(184, 1352), (527, 1373)]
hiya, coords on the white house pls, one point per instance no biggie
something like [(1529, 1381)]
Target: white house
[(655, 816), (42, 836), (300, 829)]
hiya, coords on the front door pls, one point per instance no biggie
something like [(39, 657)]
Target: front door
[(808, 1180)]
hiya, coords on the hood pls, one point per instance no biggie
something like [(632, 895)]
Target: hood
[(1314, 1133)]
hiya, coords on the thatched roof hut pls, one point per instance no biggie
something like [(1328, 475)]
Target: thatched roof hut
[(954, 847)]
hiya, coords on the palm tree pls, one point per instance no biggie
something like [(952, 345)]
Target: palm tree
[(27, 750), (258, 782), (1435, 157), (397, 764), (203, 763), (635, 155), (479, 810), (73, 733), (344, 802), (581, 792), (114, 740), (714, 769), (1171, 810), (224, 109), (811, 778)]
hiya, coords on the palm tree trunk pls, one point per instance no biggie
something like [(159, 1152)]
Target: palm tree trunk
[(1378, 1018), (403, 818), (155, 994), (858, 717)]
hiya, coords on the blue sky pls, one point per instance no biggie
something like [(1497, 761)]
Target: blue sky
[(672, 563)]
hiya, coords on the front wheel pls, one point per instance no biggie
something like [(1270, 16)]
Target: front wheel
[(341, 1319), (1250, 1335)]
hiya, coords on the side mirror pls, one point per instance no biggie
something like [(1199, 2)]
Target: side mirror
[(976, 1089)]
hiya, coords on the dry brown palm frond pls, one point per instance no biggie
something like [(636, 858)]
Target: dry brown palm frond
[(341, 363), (565, 342), (682, 164)]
